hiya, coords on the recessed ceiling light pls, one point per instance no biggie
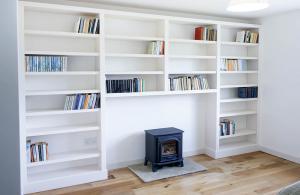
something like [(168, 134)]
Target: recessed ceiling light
[(247, 5)]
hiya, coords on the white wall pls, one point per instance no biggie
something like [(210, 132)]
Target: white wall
[(9, 119), (280, 84)]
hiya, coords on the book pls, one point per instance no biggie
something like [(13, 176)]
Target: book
[(156, 48), (28, 152), (39, 152), (180, 83), (233, 65), (125, 85), (34, 63), (247, 92), (227, 127), (82, 101), (247, 36), (87, 25), (207, 33)]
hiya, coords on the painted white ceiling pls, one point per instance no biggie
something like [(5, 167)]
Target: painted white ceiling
[(212, 7)]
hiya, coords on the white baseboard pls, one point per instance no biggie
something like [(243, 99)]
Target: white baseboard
[(210, 152), (280, 154), (138, 161)]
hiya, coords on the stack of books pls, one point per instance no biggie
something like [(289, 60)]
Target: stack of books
[(156, 47), (87, 25), (247, 92), (207, 33), (233, 65), (227, 127), (82, 101), (125, 85), (37, 152), (188, 83), (46, 63), (247, 37)]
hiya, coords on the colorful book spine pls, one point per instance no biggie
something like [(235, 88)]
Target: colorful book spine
[(188, 83), (125, 85), (46, 63), (82, 101)]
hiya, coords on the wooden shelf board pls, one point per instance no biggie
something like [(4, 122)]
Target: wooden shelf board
[(135, 73), (125, 55), (236, 86), (61, 34), (133, 38), (241, 132), (61, 53), (238, 113), (239, 43), (66, 73), (193, 41), (32, 132), (59, 92), (238, 100), (240, 72), (66, 157), (59, 112)]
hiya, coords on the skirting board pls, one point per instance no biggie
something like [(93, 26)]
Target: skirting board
[(137, 161), (280, 154)]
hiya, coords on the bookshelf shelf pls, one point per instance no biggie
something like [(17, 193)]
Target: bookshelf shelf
[(192, 41), (62, 92), (239, 44), (74, 173), (192, 72), (240, 133), (193, 57), (238, 100), (159, 93), (68, 73), (124, 55), (133, 38), (238, 113), (65, 157), (33, 132), (239, 57), (60, 34), (238, 85), (62, 53), (59, 112), (136, 73), (240, 72), (237, 145)]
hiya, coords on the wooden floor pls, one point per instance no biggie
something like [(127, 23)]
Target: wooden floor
[(253, 173)]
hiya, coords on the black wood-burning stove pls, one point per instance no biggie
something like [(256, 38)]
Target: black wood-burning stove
[(163, 147)]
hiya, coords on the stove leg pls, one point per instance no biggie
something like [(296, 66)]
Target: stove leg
[(145, 162), (154, 168)]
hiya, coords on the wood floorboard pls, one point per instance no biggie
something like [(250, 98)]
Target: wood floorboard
[(247, 174)]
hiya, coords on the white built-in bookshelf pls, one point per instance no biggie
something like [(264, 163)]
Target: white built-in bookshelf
[(76, 138)]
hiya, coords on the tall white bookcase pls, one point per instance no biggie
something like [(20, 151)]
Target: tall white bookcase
[(76, 138)]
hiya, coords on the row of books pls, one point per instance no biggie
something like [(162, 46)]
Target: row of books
[(247, 36), (227, 127), (233, 65), (207, 33), (188, 83), (247, 92), (82, 101), (156, 47), (125, 85), (87, 25), (46, 63), (36, 152)]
